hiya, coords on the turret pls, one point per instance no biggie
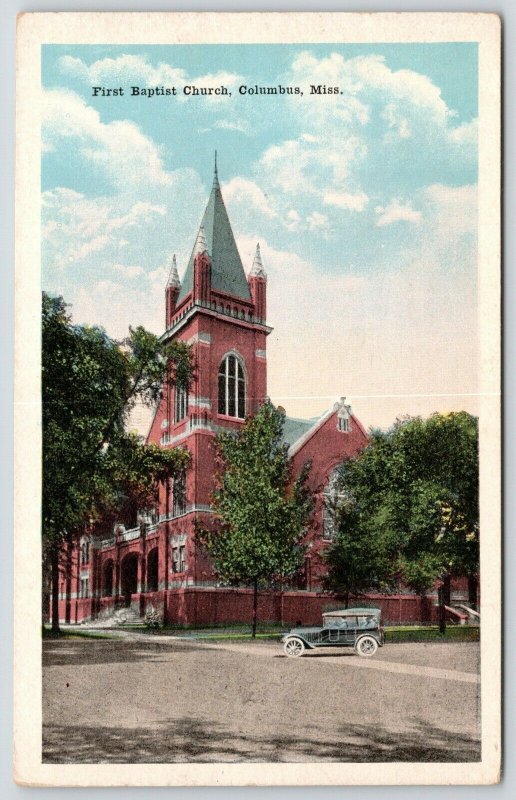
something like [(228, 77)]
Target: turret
[(172, 292), (202, 270), (258, 286)]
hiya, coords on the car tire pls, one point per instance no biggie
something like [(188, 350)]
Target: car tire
[(294, 647), (366, 646)]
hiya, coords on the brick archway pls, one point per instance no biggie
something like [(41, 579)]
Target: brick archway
[(129, 576), (107, 578), (152, 570)]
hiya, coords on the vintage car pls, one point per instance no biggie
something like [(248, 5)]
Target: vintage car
[(359, 628)]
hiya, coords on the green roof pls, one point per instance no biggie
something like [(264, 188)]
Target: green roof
[(227, 272), (294, 429)]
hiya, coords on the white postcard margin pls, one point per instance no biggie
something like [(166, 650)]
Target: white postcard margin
[(37, 29)]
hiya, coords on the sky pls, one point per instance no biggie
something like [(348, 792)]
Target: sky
[(364, 203)]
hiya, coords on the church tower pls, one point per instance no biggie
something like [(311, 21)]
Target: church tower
[(221, 314)]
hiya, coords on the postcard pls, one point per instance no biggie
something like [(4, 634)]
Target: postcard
[(258, 481)]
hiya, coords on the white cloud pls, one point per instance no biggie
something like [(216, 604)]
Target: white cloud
[(114, 306), (348, 143), (350, 202), (307, 70), (455, 206), (75, 226), (396, 211), (292, 220), (87, 248), (311, 166), (369, 335), (128, 270), (317, 220), (232, 125), (396, 121), (119, 147), (465, 134), (405, 85), (246, 192)]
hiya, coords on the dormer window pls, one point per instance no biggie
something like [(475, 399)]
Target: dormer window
[(231, 388), (344, 420)]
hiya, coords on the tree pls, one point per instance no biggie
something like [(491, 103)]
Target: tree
[(89, 385), (360, 557), (413, 506), (261, 512)]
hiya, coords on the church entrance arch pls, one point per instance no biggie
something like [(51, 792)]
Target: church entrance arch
[(152, 570), (129, 576), (107, 579)]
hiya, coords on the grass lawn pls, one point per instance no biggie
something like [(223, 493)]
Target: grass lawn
[(430, 633), (274, 631)]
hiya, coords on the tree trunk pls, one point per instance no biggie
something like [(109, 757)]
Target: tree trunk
[(54, 560), (255, 607), (473, 591), (447, 590), (442, 610), (346, 600)]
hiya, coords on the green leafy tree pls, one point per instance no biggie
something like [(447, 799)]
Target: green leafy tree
[(261, 512), (412, 506), (90, 383), (360, 557)]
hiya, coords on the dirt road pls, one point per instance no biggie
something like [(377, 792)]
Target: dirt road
[(162, 701)]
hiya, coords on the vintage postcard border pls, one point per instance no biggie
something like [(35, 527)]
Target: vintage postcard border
[(37, 29)]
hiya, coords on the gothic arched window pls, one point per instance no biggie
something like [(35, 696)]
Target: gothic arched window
[(334, 493), (179, 495), (180, 403), (231, 387)]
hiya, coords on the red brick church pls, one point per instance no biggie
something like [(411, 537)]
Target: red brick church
[(221, 313)]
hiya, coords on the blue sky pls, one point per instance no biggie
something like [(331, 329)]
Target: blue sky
[(364, 204)]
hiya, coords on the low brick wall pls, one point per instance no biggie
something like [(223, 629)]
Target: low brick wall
[(216, 606)]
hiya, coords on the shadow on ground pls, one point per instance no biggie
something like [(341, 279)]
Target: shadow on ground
[(72, 652), (185, 740)]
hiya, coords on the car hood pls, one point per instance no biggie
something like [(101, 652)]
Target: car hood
[(300, 631)]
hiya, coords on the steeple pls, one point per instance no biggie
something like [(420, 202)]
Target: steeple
[(227, 272), (257, 269), (171, 292), (200, 242), (216, 174), (173, 278), (258, 285)]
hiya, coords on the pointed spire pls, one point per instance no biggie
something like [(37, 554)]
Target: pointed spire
[(200, 242), (216, 184), (217, 239), (257, 269), (173, 278)]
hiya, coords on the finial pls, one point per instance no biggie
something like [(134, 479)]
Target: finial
[(200, 242), (173, 278), (215, 174), (257, 269)]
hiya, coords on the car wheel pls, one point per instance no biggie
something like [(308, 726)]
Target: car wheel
[(366, 646), (294, 647)]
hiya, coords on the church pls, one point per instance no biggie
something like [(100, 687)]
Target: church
[(222, 314)]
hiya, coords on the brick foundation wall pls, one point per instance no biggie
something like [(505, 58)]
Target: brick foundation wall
[(205, 606)]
